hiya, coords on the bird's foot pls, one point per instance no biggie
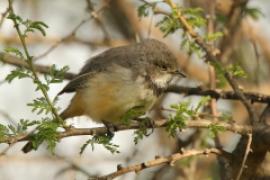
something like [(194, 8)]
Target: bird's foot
[(110, 130), (146, 123)]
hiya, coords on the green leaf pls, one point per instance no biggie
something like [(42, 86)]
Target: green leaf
[(15, 51), (24, 124), (219, 70), (236, 71), (190, 46), (194, 17), (134, 112), (103, 140), (40, 26), (179, 119), (226, 116), (40, 105), (18, 73), (14, 17), (143, 10), (55, 75), (3, 131), (253, 12), (203, 102), (214, 129), (41, 85), (168, 25), (214, 36), (46, 132), (31, 26), (142, 131)]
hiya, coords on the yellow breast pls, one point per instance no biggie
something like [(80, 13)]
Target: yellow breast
[(111, 94)]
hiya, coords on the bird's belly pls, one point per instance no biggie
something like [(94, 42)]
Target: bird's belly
[(110, 97)]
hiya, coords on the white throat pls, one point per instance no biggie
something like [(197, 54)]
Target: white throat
[(162, 80)]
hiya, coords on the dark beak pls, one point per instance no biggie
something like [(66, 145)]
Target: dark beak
[(179, 73)]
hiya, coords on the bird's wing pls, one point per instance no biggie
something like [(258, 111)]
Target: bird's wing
[(77, 83)]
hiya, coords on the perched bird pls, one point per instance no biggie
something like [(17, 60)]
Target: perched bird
[(121, 80)]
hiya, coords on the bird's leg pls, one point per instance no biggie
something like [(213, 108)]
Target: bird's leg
[(145, 123), (110, 129)]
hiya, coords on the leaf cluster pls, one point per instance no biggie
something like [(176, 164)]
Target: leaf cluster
[(104, 140), (28, 25), (183, 112)]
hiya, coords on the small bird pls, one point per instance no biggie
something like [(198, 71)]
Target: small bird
[(121, 80)]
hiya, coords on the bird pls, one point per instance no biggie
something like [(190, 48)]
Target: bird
[(121, 80)]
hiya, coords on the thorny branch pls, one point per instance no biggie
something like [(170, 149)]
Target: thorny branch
[(199, 123), (159, 161)]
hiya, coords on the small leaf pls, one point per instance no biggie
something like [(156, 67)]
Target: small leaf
[(14, 17), (39, 25), (3, 131), (40, 105), (143, 10), (103, 140), (214, 36), (168, 25), (15, 51), (214, 129), (46, 131), (236, 71), (253, 12), (18, 73), (203, 102)]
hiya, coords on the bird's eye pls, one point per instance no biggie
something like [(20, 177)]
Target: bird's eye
[(163, 67)]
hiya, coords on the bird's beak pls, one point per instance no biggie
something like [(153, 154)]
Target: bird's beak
[(179, 73)]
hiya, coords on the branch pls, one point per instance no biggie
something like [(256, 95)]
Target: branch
[(13, 60), (243, 163), (160, 161), (199, 123), (219, 94)]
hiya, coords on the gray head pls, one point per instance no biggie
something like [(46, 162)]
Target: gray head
[(160, 62)]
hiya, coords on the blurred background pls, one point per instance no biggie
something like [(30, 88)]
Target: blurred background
[(72, 38)]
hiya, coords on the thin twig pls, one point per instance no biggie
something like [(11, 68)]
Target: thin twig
[(3, 15), (247, 151), (94, 14), (73, 165), (69, 36)]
